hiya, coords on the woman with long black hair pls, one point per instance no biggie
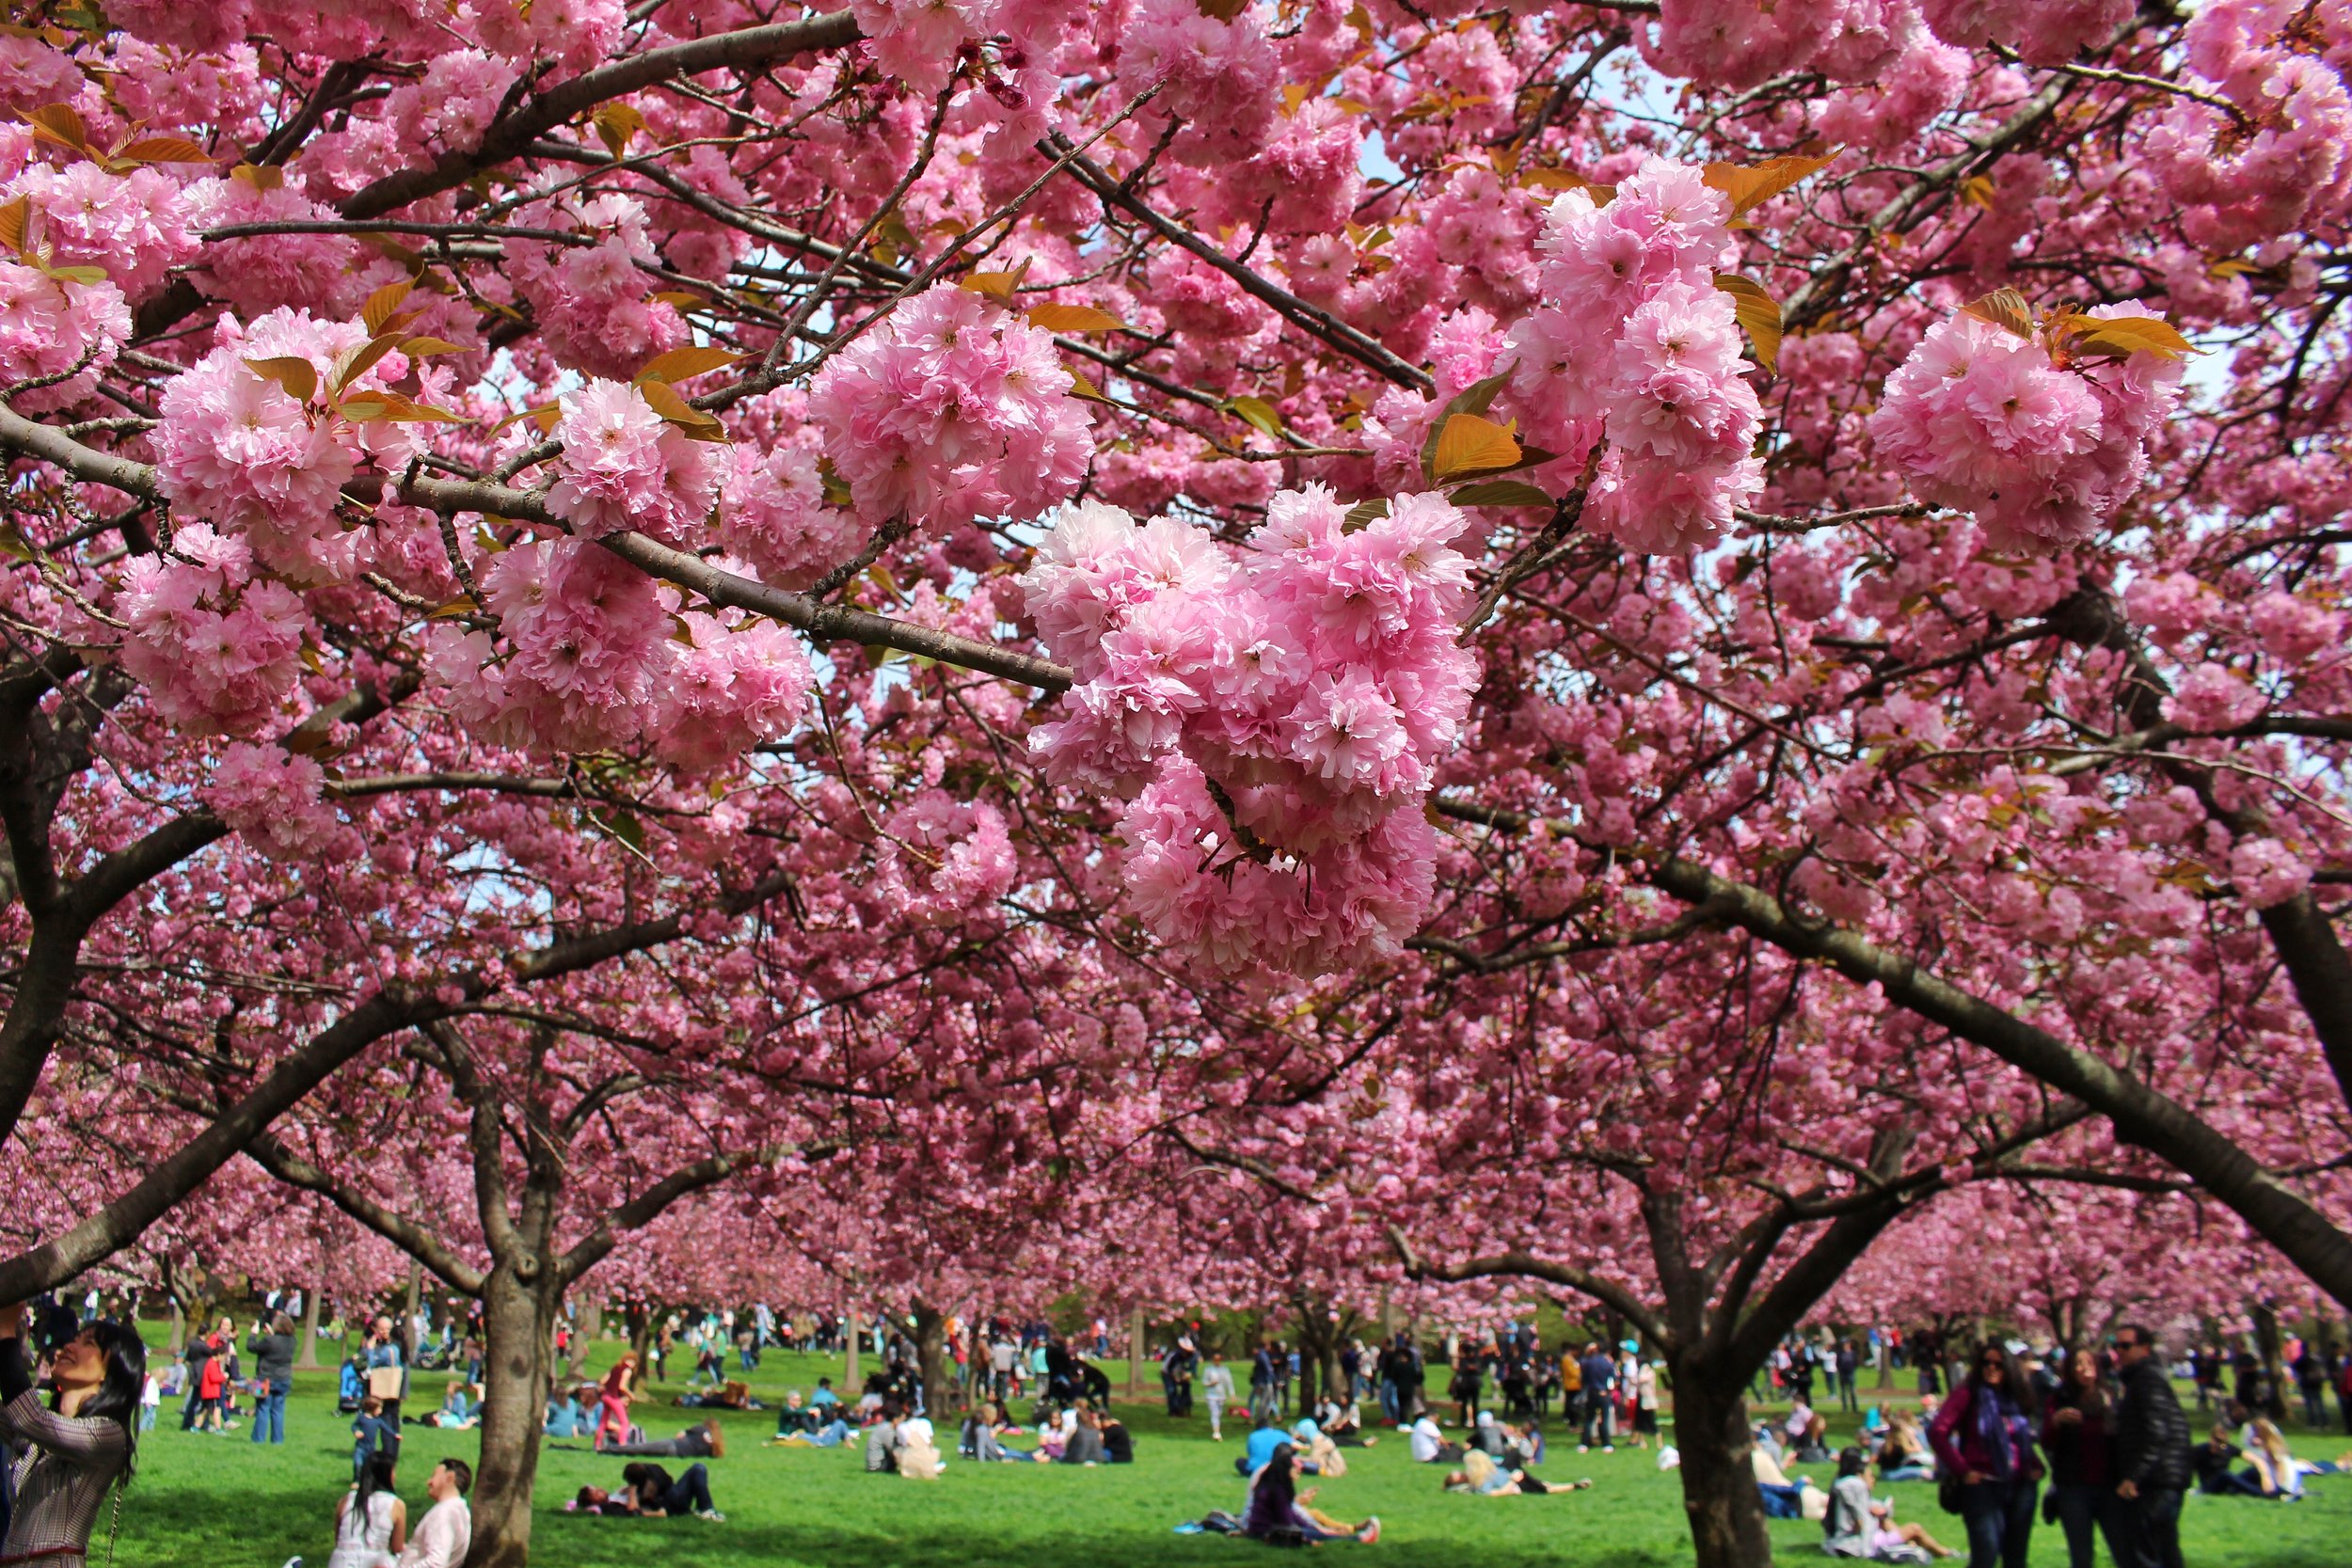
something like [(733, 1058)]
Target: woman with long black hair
[(82, 1442), (1984, 1437), (1278, 1511), (371, 1521)]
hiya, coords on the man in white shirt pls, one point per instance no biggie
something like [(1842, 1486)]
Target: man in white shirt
[(1429, 1444), (445, 1534)]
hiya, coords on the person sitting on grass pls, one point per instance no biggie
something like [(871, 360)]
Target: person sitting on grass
[(1813, 1443), (824, 1401), (371, 1521), (1783, 1499), (567, 1415), (727, 1396), (1085, 1445), (1343, 1421), (1264, 1437), (1858, 1525), (831, 1432), (1278, 1512), (696, 1442), (793, 1416), (1905, 1456), (916, 1453), (881, 1434), (445, 1534), (984, 1437), (1428, 1443), (1118, 1444)]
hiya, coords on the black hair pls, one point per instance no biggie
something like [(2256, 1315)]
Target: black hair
[(1279, 1487), (1852, 1462), (2014, 1383), (117, 1394), (376, 1478), (463, 1471)]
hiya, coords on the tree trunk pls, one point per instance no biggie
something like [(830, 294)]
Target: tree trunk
[(1719, 1491), (851, 1330), (518, 1331), (930, 1358), (179, 1327), (408, 1313), (640, 1344), (591, 1329), (308, 1360), (1136, 1389)]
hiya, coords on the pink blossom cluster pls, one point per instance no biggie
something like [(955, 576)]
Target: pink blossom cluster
[(574, 33), (2211, 698), (944, 858), (772, 513), (597, 656), (237, 450), (2046, 32), (2288, 165), (450, 108), (592, 303), (259, 273), (2266, 872), (624, 466), (1985, 420), (274, 800), (1635, 344), (134, 224), (1219, 80), (1276, 714), (952, 410), (50, 326), (216, 649)]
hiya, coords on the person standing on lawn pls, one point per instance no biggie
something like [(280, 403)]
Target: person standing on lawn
[(2152, 1453)]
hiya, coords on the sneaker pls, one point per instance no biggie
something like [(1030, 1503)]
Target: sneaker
[(712, 1515), (1583, 1447), (1609, 1447), (1369, 1532)]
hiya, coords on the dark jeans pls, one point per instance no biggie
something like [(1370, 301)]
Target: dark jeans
[(1999, 1515), (690, 1492), (1782, 1502), (2152, 1529), (2086, 1513)]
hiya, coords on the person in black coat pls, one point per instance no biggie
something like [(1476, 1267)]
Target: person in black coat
[(2152, 1453)]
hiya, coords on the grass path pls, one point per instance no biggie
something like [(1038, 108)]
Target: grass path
[(221, 1502)]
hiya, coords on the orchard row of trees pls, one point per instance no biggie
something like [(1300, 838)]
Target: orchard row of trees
[(1200, 646)]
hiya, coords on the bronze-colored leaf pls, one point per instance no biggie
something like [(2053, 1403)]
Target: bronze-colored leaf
[(59, 124), (1258, 413), (1469, 445), (163, 150), (1758, 313), (2120, 337), (262, 176), (298, 376), (684, 364), (665, 400), (13, 219), (2004, 307), (1750, 186), (1501, 492), (1082, 387), (383, 305), (616, 125), (1072, 318)]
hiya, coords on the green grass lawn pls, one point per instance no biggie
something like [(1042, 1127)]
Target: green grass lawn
[(221, 1503)]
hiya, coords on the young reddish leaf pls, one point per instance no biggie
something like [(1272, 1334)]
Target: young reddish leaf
[(2118, 337), (13, 219), (1469, 445), (684, 364), (665, 400), (1074, 318), (996, 285), (59, 124), (2003, 308), (382, 305), (298, 376), (162, 149), (616, 125), (1752, 186), (1758, 313), (354, 363)]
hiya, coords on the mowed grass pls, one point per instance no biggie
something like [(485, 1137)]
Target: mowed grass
[(222, 1502)]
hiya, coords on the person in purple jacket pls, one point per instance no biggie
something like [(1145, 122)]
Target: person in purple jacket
[(1983, 1439)]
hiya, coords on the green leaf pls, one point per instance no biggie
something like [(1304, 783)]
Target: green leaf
[(1501, 492), (1258, 413)]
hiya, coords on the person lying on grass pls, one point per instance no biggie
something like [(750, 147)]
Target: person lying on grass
[(696, 1442), (649, 1491), (1482, 1477)]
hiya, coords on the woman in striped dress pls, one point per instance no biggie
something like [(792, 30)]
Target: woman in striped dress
[(66, 1454)]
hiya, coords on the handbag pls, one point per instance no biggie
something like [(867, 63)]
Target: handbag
[(384, 1382), (2049, 1507), (1948, 1493)]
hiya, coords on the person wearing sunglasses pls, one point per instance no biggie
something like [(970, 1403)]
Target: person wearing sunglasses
[(2153, 1462), (1983, 1438)]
